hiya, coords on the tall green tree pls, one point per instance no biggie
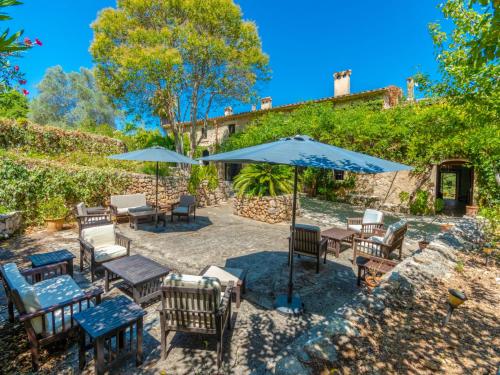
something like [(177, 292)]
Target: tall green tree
[(177, 58), (71, 100)]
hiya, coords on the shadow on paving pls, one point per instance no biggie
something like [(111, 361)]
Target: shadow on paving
[(177, 226)]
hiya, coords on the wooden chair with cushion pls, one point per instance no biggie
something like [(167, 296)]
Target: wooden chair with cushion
[(87, 217), (120, 204), (102, 244), (185, 207), (46, 307), (383, 244), (195, 304), (308, 242), (365, 226)]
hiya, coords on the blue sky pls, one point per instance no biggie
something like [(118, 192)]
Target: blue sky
[(383, 42)]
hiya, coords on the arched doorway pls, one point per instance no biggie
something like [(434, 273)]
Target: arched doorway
[(455, 185), (205, 153)]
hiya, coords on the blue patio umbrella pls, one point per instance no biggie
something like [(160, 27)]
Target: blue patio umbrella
[(155, 154), (303, 151)]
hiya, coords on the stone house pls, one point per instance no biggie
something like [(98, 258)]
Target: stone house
[(451, 180)]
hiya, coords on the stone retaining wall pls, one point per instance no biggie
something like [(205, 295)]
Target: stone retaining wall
[(170, 188), (267, 209), (10, 223)]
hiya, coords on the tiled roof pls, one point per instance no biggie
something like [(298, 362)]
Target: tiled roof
[(290, 106)]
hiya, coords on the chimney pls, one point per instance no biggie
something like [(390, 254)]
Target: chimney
[(410, 89), (228, 111), (254, 107), (266, 103), (342, 83)]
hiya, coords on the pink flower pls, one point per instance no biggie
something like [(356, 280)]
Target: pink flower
[(16, 68), (22, 81), (28, 41), (25, 92), (38, 42)]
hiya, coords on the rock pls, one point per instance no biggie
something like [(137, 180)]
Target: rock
[(290, 365), (339, 326), (321, 349)]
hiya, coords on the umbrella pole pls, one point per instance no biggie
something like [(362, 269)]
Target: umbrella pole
[(156, 203), (292, 235)]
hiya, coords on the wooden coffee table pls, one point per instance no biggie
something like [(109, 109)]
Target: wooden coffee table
[(336, 236), (146, 216), (144, 276), (376, 265)]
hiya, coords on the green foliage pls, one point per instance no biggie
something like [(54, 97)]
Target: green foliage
[(264, 180), (177, 58), (321, 182), (136, 138), (71, 100), (54, 141), (419, 135), (438, 205), (203, 174), (10, 43), (26, 185), (459, 267), (420, 203), (53, 208), (13, 105), (4, 210), (404, 197)]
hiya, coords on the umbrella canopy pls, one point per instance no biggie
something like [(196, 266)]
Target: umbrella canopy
[(156, 154), (303, 151)]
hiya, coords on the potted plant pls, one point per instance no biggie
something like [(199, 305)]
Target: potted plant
[(54, 212)]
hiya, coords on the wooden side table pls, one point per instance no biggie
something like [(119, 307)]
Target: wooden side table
[(225, 275), (109, 325), (374, 265), (335, 237), (58, 256)]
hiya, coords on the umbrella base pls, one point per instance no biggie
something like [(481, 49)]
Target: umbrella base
[(294, 308)]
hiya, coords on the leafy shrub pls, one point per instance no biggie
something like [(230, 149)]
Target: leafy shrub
[(201, 173), (438, 205), (27, 183), (320, 182), (420, 203), (53, 208), (4, 210), (264, 180)]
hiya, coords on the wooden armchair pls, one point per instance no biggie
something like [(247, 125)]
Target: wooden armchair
[(120, 204), (193, 304), (185, 207), (46, 307), (308, 242), (365, 226), (87, 217), (383, 244), (102, 244)]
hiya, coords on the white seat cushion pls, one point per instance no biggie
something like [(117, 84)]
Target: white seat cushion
[(377, 239), (54, 291), (193, 281), (355, 227), (180, 210), (122, 211), (389, 234), (373, 216), (99, 236), (224, 274), (108, 252)]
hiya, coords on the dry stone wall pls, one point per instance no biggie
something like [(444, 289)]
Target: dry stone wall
[(267, 209), (10, 223)]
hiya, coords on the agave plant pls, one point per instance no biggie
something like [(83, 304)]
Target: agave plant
[(264, 179)]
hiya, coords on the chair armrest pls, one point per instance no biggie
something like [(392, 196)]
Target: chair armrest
[(86, 245), (192, 207), (379, 231), (354, 221), (94, 293), (323, 243), (45, 272), (97, 210), (226, 298), (122, 240), (113, 209)]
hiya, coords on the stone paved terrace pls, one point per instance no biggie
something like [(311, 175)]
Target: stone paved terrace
[(218, 237)]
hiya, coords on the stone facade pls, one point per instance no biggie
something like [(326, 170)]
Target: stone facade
[(267, 209), (383, 190), (10, 223), (170, 188)]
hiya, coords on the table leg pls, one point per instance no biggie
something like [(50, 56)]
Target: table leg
[(359, 275), (99, 355), (106, 280), (81, 353), (70, 267), (138, 355), (337, 249), (237, 291)]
